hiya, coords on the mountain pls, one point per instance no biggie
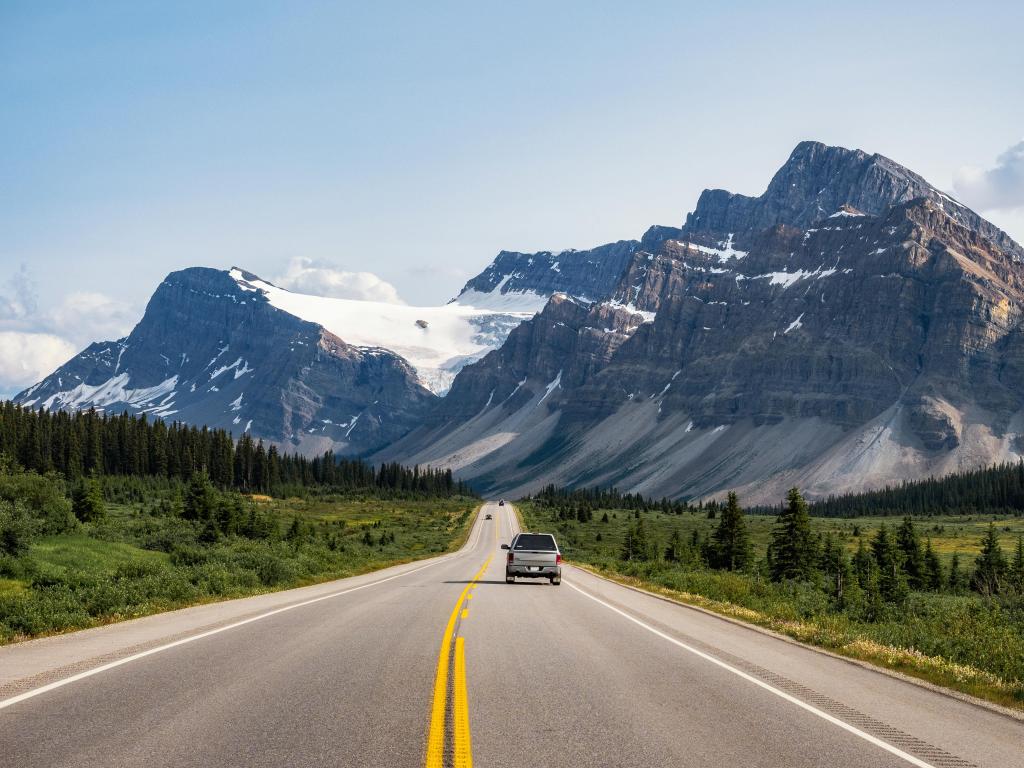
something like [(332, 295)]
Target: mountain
[(212, 349), (513, 277), (851, 326), (228, 349)]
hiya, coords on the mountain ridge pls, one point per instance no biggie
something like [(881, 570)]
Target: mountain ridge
[(850, 326), (783, 340)]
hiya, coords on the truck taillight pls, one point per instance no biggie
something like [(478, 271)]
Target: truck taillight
[(511, 557), (558, 559)]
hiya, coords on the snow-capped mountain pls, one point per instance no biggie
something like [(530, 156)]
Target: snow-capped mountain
[(229, 349), (514, 278), (436, 341), (211, 349), (850, 327)]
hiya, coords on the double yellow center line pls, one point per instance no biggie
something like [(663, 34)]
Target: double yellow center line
[(461, 748)]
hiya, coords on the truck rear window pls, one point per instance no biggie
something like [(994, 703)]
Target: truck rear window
[(538, 542)]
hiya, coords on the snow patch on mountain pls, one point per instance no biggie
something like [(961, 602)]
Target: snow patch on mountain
[(436, 341), (157, 399)]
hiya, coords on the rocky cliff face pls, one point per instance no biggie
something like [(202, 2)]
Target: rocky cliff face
[(851, 326), (590, 275), (210, 351)]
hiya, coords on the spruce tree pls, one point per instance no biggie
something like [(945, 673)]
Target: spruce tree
[(1017, 567), (199, 501), (793, 546), (956, 582), (836, 568), (674, 550), (862, 563), (87, 501), (731, 549), (990, 568), (909, 545), (889, 559), (636, 545), (933, 578)]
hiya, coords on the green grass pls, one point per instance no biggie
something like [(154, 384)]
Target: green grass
[(142, 559), (76, 554), (965, 642), (948, 534)]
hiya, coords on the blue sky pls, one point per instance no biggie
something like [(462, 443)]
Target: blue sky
[(413, 141)]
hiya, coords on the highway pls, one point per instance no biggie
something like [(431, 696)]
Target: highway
[(439, 662)]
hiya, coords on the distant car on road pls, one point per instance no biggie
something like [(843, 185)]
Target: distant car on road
[(533, 556), (487, 517), (501, 502)]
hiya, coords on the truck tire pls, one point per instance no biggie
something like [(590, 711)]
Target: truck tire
[(556, 580), (510, 579)]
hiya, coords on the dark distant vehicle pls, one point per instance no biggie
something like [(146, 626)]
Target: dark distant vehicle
[(501, 502), (487, 517), (533, 556)]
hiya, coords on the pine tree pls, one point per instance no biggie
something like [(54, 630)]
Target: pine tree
[(909, 545), (674, 550), (862, 563), (836, 568), (933, 578), (1017, 567), (990, 568), (889, 559), (87, 501), (956, 581), (731, 549), (636, 545), (199, 501), (793, 546)]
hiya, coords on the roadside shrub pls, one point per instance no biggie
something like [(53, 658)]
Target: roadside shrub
[(43, 498), (15, 529)]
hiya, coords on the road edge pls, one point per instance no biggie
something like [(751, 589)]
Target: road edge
[(60, 675), (966, 698)]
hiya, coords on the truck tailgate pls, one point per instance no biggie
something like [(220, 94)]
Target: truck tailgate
[(533, 557)]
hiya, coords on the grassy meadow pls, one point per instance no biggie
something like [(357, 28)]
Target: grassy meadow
[(142, 555), (948, 533)]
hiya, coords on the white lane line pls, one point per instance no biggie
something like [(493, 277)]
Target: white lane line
[(750, 678), (160, 648)]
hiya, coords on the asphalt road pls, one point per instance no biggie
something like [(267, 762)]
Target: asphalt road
[(442, 663)]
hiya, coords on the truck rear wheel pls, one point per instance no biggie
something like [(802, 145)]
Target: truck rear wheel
[(510, 579)]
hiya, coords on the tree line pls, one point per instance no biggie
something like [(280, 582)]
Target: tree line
[(883, 570), (997, 489), (589, 499), (89, 443)]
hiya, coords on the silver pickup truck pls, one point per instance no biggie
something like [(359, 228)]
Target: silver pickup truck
[(533, 556)]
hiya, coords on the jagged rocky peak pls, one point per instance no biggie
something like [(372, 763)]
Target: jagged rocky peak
[(819, 182), (851, 327), (515, 279)]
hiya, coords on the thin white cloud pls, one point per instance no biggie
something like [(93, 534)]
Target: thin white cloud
[(18, 299), (27, 357), (34, 342), (323, 279), (998, 188), (86, 317)]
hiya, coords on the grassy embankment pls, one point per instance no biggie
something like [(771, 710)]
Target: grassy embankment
[(143, 558), (964, 641)]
